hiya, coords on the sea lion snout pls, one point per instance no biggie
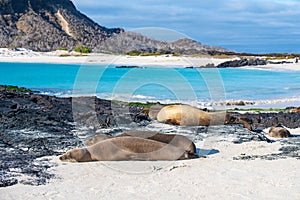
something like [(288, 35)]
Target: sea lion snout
[(61, 157), (76, 155)]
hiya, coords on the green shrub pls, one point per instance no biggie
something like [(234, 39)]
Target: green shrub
[(62, 49), (151, 54), (64, 55), (138, 53), (133, 53), (82, 49)]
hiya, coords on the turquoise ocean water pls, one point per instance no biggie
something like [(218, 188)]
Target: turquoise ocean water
[(155, 84)]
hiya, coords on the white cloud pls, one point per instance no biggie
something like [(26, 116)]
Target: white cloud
[(212, 21)]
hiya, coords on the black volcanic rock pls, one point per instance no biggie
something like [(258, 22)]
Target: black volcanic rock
[(33, 126), (242, 63)]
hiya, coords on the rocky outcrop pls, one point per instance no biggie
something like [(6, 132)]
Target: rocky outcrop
[(242, 63), (47, 25), (189, 46), (134, 42), (127, 67), (264, 120), (239, 103)]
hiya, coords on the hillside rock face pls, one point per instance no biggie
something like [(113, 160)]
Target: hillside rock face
[(131, 41), (42, 25), (47, 25)]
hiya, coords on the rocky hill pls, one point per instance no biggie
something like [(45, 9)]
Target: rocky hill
[(131, 41), (47, 25)]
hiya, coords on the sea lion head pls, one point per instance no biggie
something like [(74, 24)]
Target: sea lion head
[(279, 132), (229, 119), (76, 155)]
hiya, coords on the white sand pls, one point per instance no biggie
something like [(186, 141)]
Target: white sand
[(24, 55), (215, 177)]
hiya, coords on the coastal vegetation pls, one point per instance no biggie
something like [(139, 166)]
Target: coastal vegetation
[(62, 49), (143, 105), (280, 57), (82, 49), (16, 89), (152, 53)]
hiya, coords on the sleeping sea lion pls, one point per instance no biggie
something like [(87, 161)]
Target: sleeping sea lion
[(179, 141), (185, 115), (126, 148), (97, 138), (279, 132)]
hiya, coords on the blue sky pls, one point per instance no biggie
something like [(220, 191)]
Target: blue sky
[(254, 26)]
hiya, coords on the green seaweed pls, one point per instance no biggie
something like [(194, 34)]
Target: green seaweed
[(16, 89), (144, 105)]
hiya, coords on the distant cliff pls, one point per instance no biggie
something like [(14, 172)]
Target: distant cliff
[(45, 25)]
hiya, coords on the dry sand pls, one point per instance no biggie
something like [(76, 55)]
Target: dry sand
[(24, 55), (217, 177)]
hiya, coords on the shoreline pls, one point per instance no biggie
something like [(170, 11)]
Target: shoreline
[(243, 163), (229, 104), (266, 105), (169, 61)]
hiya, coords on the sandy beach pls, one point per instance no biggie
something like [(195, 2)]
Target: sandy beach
[(64, 57), (214, 177), (221, 175), (75, 58)]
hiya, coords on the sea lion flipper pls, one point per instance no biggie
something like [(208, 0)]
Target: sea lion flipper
[(190, 155)]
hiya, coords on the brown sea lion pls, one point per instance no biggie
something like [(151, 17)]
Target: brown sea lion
[(179, 141), (185, 115), (77, 155), (154, 110), (279, 132), (97, 138), (245, 121), (295, 110), (126, 148)]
